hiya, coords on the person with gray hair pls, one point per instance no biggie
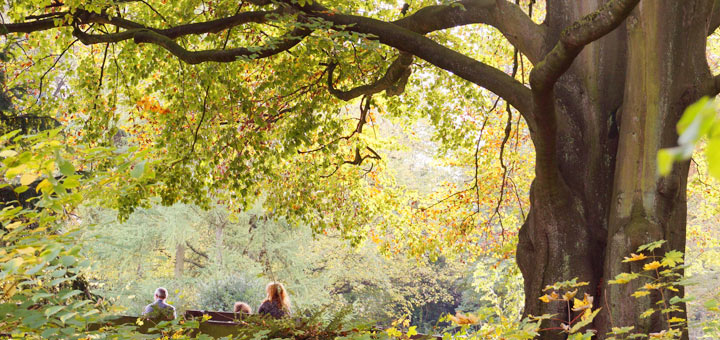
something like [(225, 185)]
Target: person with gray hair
[(159, 310)]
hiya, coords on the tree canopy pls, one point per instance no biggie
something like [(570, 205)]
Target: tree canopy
[(304, 102)]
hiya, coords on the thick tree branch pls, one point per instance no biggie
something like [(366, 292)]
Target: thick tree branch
[(195, 57), (400, 36), (27, 27), (423, 47), (212, 26), (504, 15), (714, 22), (396, 74), (584, 31), (546, 73)]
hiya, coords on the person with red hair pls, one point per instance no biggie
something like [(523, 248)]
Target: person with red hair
[(277, 302)]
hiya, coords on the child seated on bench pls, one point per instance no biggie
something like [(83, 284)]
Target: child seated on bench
[(242, 307)]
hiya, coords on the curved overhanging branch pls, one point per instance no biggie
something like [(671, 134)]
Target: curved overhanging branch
[(195, 57), (85, 17), (425, 48), (406, 35), (394, 78), (507, 17), (546, 73), (584, 31)]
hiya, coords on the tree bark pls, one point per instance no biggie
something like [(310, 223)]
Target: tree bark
[(615, 107)]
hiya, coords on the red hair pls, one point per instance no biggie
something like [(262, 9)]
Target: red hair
[(277, 294)]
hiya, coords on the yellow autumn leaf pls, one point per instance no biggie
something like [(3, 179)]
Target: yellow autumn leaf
[(640, 293), (7, 153), (651, 286), (657, 335), (27, 179), (675, 319), (586, 314), (26, 251), (462, 319), (635, 257), (545, 298), (583, 304), (13, 225), (45, 186), (569, 295), (652, 265), (647, 313)]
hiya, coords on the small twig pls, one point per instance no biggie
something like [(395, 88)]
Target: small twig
[(364, 109), (358, 160), (508, 131), (202, 118), (197, 251), (477, 150), (154, 10), (42, 78), (102, 73)]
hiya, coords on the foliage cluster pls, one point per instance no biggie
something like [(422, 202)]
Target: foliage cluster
[(229, 257)]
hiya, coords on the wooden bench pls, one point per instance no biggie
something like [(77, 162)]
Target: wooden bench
[(219, 325)]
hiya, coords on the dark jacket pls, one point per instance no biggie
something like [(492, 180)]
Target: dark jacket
[(273, 309)]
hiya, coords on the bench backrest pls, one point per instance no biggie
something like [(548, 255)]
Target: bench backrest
[(214, 316)]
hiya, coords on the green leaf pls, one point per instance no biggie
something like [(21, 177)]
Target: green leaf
[(67, 315), (712, 152), (138, 170), (712, 304), (36, 269), (12, 266), (651, 246), (697, 118), (52, 310), (677, 299), (67, 260), (672, 258), (66, 168), (69, 294), (665, 160)]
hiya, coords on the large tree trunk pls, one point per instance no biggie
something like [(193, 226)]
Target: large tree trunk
[(616, 107)]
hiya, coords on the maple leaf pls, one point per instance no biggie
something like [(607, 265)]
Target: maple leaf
[(635, 257), (652, 265), (585, 303)]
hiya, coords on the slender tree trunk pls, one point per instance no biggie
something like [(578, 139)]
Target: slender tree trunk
[(219, 242), (616, 107), (179, 260)]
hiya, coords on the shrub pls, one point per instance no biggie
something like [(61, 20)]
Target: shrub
[(220, 293)]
